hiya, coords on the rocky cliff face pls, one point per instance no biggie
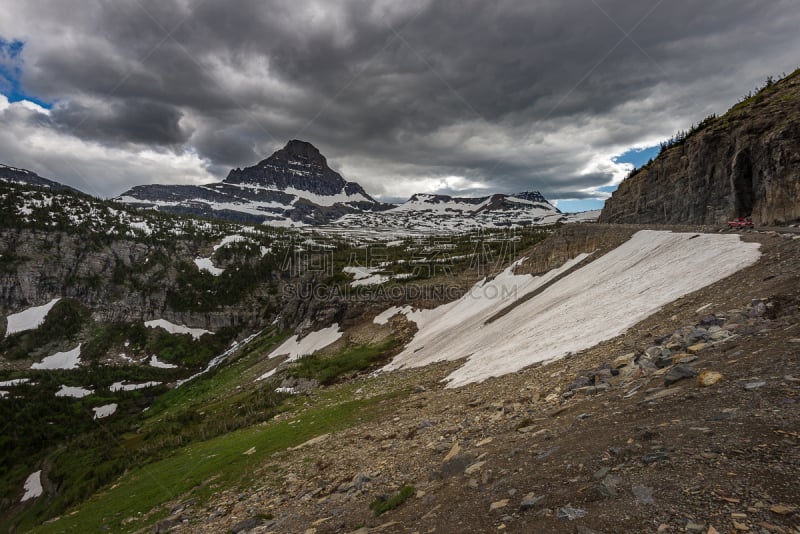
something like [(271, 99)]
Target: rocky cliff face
[(110, 279), (295, 184), (744, 163)]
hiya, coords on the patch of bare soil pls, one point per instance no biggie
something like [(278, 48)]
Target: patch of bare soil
[(624, 437)]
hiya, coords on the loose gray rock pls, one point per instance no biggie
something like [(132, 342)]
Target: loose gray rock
[(691, 526), (545, 453), (529, 501), (361, 480), (677, 373), (245, 525), (655, 457), (452, 467), (601, 473), (643, 494), (569, 513)]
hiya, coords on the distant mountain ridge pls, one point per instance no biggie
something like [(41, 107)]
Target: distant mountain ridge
[(295, 187), (23, 176), (431, 213), (474, 205)]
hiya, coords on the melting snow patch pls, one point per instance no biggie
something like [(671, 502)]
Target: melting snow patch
[(597, 302), (73, 391), (384, 316), (290, 391), (230, 239), (205, 264), (365, 276), (33, 486), (122, 386), (105, 410), (294, 348), (14, 382), (176, 328), (155, 362), (326, 200), (143, 226), (3, 394), (61, 360), (29, 319)]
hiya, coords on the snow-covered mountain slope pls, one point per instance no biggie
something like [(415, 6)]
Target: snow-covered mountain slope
[(596, 302), (424, 213), (293, 187)]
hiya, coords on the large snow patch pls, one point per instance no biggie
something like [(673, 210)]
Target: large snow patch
[(61, 360), (172, 328), (597, 302), (29, 319), (294, 348), (33, 486), (73, 391)]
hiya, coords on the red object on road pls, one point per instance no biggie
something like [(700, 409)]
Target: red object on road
[(741, 222)]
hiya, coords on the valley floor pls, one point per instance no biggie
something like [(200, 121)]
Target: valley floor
[(601, 441)]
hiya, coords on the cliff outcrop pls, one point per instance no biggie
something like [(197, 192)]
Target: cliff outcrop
[(743, 163)]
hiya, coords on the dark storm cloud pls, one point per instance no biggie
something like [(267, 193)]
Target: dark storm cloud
[(515, 95), (131, 120)]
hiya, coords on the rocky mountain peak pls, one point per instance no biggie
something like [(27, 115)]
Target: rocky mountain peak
[(298, 165), (533, 196), (298, 150)]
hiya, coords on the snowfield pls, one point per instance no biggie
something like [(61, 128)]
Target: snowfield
[(104, 411), (122, 386), (28, 319), (383, 317), (73, 391), (310, 344), (14, 382), (205, 264), (172, 328), (155, 362), (365, 276), (61, 360), (33, 486), (596, 302)]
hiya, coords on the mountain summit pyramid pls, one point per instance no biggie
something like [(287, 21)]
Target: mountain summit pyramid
[(294, 186), (300, 166)]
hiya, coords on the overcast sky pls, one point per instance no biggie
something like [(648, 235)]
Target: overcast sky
[(465, 97)]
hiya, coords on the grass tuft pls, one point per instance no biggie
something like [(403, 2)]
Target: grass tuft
[(382, 505), (326, 370)]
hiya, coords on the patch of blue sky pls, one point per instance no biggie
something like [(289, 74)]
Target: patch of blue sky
[(11, 64), (577, 205), (637, 156)]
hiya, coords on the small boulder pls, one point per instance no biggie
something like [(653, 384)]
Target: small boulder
[(677, 373), (694, 349), (498, 504), (624, 360), (708, 378), (529, 501)]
